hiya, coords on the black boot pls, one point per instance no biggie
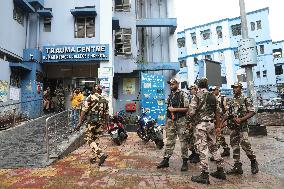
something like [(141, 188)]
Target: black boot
[(102, 159), (226, 152), (202, 178), (184, 166), (219, 174), (236, 170), (164, 163), (254, 166), (193, 153), (195, 158)]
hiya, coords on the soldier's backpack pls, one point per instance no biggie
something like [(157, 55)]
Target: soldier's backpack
[(209, 100)]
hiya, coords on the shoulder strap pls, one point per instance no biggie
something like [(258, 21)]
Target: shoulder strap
[(202, 103)]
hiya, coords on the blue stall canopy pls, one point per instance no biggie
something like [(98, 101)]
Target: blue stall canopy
[(36, 3), (20, 66), (84, 11), (45, 13), (23, 4), (156, 66), (158, 22)]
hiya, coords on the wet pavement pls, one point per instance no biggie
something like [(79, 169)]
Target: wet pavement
[(133, 165)]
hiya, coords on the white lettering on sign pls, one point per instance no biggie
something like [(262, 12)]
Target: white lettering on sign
[(75, 52)]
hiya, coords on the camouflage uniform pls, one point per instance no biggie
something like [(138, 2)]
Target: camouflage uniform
[(239, 106), (205, 135), (178, 126), (96, 108), (221, 139)]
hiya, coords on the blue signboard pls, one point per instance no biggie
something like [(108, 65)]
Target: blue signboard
[(67, 53), (153, 96)]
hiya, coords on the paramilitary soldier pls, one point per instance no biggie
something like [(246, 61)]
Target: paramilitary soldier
[(240, 109), (176, 125), (205, 111), (222, 100), (194, 157), (96, 109)]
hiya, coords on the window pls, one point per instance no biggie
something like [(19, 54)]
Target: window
[(18, 15), (193, 38), (182, 63), (277, 53), (122, 5), (219, 32), (258, 74), (84, 27), (264, 73), (236, 54), (278, 70), (123, 41), (236, 29), (195, 60), (261, 49), (15, 78), (258, 24), (208, 57), (2, 56), (47, 25), (181, 42), (252, 26), (206, 34)]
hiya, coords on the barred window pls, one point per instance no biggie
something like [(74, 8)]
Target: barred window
[(219, 32), (236, 54), (236, 29), (122, 5), (123, 41), (258, 74), (261, 49), (182, 63), (206, 34), (264, 73), (258, 24), (18, 15), (84, 27), (193, 38), (278, 70), (47, 25), (252, 26), (181, 42)]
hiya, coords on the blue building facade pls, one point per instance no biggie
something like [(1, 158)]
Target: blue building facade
[(218, 41), (49, 43)]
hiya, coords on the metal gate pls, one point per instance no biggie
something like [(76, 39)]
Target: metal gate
[(153, 96)]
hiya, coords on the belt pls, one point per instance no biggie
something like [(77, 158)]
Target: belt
[(211, 121)]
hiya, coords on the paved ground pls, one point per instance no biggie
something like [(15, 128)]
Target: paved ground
[(133, 165)]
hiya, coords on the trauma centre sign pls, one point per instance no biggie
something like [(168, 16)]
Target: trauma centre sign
[(65, 53)]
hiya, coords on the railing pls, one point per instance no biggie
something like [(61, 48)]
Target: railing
[(10, 115), (58, 128)]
